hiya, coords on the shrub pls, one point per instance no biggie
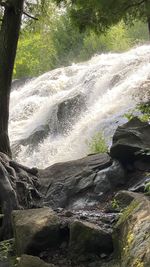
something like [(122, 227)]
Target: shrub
[(147, 189), (143, 109), (98, 144)]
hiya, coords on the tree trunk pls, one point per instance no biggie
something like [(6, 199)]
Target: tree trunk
[(148, 22), (9, 35)]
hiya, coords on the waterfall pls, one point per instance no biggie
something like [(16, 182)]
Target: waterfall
[(54, 116)]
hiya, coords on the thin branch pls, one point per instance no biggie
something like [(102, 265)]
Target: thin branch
[(29, 16), (134, 5)]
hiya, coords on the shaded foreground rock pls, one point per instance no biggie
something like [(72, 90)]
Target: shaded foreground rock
[(88, 240), (81, 182), (132, 234), (131, 141), (42, 233), (31, 261), (35, 230)]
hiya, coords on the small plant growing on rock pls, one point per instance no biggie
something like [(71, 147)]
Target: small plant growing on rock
[(143, 109), (147, 189), (7, 252), (115, 204), (98, 144), (129, 116)]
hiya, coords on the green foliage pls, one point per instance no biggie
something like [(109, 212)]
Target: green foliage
[(127, 212), (98, 144), (49, 44), (115, 40), (129, 116), (34, 56), (5, 248), (143, 109), (53, 41), (138, 32), (115, 204), (101, 15), (147, 189), (7, 252)]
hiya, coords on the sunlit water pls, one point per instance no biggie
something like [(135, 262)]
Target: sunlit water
[(109, 85)]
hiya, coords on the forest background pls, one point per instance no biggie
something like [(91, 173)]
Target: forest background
[(53, 41)]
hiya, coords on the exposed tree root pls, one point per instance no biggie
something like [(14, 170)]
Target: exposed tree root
[(19, 188)]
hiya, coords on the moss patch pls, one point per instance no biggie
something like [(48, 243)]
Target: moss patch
[(131, 234)]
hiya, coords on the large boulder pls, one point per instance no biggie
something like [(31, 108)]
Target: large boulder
[(89, 240), (35, 230), (81, 182), (132, 232), (131, 141)]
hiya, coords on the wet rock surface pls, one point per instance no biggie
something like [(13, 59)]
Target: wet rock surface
[(131, 141), (82, 182), (60, 120)]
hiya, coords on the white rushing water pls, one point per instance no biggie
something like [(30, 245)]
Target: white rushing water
[(53, 117)]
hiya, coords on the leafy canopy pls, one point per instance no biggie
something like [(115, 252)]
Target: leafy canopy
[(101, 14)]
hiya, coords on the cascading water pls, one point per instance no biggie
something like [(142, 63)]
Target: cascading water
[(53, 117)]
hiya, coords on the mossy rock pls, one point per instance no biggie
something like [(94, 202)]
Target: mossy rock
[(35, 230), (132, 234), (88, 241)]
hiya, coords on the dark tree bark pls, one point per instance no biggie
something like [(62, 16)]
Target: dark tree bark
[(9, 35), (19, 188), (149, 26)]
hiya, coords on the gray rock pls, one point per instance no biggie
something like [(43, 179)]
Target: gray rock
[(132, 233), (31, 261), (88, 240), (81, 182), (109, 178), (60, 120), (4, 264), (35, 230), (124, 198), (65, 183), (68, 112), (131, 141)]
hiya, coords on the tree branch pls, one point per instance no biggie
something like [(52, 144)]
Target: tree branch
[(134, 5), (29, 16)]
